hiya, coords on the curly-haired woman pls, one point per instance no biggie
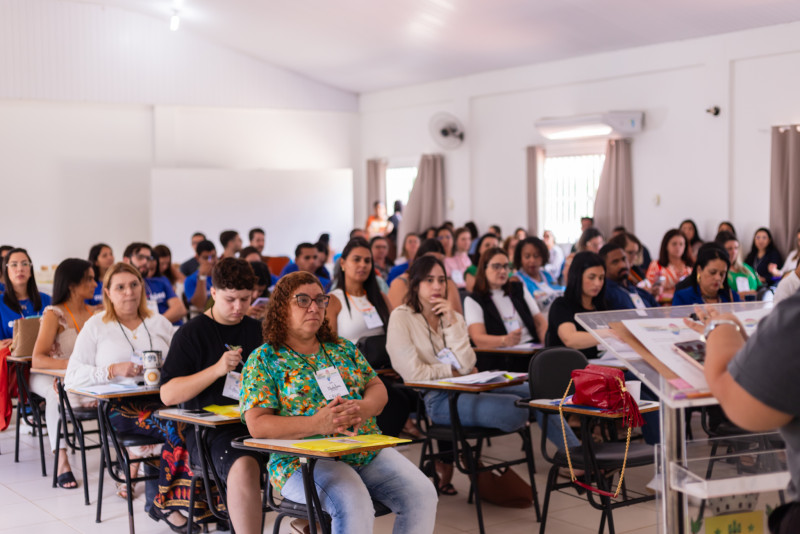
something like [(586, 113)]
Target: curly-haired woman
[(282, 398)]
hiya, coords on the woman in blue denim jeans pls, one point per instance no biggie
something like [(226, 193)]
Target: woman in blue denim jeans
[(282, 398)]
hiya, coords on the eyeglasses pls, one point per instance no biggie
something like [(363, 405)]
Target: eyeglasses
[(499, 266), (120, 288), (18, 264), (304, 301), (141, 257)]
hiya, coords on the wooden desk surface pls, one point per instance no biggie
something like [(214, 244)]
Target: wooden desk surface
[(468, 388), (190, 416), (286, 446), (139, 391), (20, 359), (547, 404), (58, 373)]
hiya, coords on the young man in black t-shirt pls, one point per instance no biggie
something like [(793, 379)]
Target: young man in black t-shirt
[(202, 354)]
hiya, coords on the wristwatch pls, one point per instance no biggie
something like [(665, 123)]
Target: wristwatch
[(202, 277), (715, 323)]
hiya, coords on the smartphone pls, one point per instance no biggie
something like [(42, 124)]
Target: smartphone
[(260, 300), (695, 351)]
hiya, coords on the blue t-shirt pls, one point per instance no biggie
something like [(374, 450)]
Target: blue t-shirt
[(691, 295), (97, 298), (159, 289), (8, 316), (396, 271), (618, 296), (292, 268), (190, 285)]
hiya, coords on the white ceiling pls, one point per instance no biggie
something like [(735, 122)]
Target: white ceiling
[(367, 45)]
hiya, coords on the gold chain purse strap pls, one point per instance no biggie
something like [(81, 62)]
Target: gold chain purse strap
[(572, 476)]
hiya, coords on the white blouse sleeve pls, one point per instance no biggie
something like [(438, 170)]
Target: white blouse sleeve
[(531, 302), (473, 313), (82, 369)]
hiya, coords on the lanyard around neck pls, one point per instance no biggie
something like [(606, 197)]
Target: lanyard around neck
[(129, 341), (430, 334), (304, 356)]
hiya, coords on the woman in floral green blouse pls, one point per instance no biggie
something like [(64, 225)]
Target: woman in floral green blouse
[(305, 381)]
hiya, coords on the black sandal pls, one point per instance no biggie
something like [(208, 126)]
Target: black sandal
[(447, 489), (66, 478), (157, 514)]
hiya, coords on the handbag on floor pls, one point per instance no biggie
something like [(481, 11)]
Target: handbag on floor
[(604, 388), (505, 489)]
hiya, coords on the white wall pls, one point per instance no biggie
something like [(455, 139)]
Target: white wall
[(84, 169), (708, 168), (74, 175), (92, 98)]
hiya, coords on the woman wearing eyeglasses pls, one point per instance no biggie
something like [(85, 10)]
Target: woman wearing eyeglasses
[(501, 313), (108, 350), (286, 395), (21, 297)]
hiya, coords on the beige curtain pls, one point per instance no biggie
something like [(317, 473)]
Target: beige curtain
[(535, 169), (425, 206), (613, 205), (784, 196), (376, 182)]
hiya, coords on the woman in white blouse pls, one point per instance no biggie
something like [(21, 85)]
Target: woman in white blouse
[(502, 313), (357, 307), (108, 350)]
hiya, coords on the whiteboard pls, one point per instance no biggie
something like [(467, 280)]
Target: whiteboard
[(292, 206)]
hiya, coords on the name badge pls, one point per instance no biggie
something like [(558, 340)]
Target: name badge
[(233, 385), (511, 324), (457, 277), (742, 284), (372, 319), (636, 298), (137, 359), (331, 384), (152, 305), (446, 356)]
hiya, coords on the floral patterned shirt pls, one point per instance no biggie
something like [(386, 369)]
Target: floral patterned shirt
[(285, 381)]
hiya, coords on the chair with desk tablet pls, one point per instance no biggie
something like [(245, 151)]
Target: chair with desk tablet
[(548, 377), (28, 408)]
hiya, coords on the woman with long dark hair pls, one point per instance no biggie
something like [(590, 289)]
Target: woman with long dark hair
[(689, 230), (530, 259), (708, 283), (102, 258), (61, 322), (764, 256), (674, 263), (21, 297), (357, 307), (585, 292)]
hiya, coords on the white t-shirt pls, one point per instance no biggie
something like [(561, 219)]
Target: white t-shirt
[(101, 344), (352, 324), (473, 313)]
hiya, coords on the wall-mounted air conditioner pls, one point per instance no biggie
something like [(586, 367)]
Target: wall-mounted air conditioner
[(612, 124)]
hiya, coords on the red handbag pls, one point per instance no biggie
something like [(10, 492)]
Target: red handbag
[(604, 388)]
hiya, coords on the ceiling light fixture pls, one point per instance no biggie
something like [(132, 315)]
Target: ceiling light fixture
[(174, 21)]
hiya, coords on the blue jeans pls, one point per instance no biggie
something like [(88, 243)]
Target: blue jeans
[(495, 410), (346, 493)]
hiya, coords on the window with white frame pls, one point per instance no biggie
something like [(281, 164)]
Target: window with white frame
[(399, 182), (567, 193)]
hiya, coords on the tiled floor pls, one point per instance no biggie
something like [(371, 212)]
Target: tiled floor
[(29, 505)]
